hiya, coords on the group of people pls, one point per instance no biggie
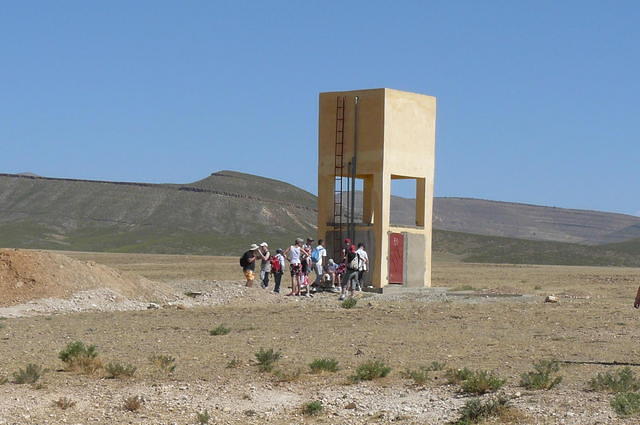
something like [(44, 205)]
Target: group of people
[(345, 276)]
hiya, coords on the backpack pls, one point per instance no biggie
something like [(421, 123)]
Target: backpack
[(354, 264), (315, 255), (243, 260), (275, 264)]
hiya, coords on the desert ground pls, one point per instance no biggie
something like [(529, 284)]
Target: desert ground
[(479, 316)]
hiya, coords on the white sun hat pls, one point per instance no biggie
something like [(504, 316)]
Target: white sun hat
[(253, 247), (264, 244)]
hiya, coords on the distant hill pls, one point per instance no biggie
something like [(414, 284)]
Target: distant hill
[(630, 247), (522, 221), (217, 215), (494, 249), (226, 211)]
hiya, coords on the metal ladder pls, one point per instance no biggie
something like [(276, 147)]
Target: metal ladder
[(338, 184)]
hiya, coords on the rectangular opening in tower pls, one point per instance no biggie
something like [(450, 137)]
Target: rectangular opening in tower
[(403, 201)]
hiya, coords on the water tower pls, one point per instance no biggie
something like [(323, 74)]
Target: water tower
[(367, 138)]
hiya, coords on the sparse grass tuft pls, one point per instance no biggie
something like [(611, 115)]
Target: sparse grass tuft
[(64, 403), (626, 404), (118, 370), (133, 403), (203, 417), (285, 376), (3, 380), (456, 376), (621, 381), (82, 358), (437, 366), (370, 370), (312, 408), (29, 375), (349, 303), (420, 376), (164, 362), (77, 349), (220, 330), (267, 359), (543, 378), (476, 410), (234, 363), (324, 365), (482, 382)]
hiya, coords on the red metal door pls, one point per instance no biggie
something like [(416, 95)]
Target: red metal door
[(396, 258)]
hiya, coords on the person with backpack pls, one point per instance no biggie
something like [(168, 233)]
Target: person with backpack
[(248, 264), (317, 261), (265, 265), (364, 264), (277, 268), (350, 277)]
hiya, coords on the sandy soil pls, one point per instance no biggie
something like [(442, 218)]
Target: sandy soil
[(27, 275), (484, 324)]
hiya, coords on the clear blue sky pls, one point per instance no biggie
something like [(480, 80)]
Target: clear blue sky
[(538, 101)]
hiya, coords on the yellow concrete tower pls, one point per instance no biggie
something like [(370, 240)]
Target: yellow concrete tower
[(381, 134)]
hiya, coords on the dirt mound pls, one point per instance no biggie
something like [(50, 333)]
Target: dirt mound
[(29, 275)]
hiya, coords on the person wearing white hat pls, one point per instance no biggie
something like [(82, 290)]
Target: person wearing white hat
[(248, 264), (265, 265)]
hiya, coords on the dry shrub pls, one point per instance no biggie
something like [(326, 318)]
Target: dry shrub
[(133, 403), (82, 358), (118, 370), (163, 362), (543, 378), (29, 375), (456, 376), (219, 330), (267, 359), (419, 376), (86, 365), (203, 417), (349, 303), (370, 370), (482, 382), (621, 381), (324, 365), (312, 408), (476, 410), (626, 404), (234, 363), (287, 376), (64, 403)]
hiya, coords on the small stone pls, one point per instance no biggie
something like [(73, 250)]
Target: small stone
[(551, 299)]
